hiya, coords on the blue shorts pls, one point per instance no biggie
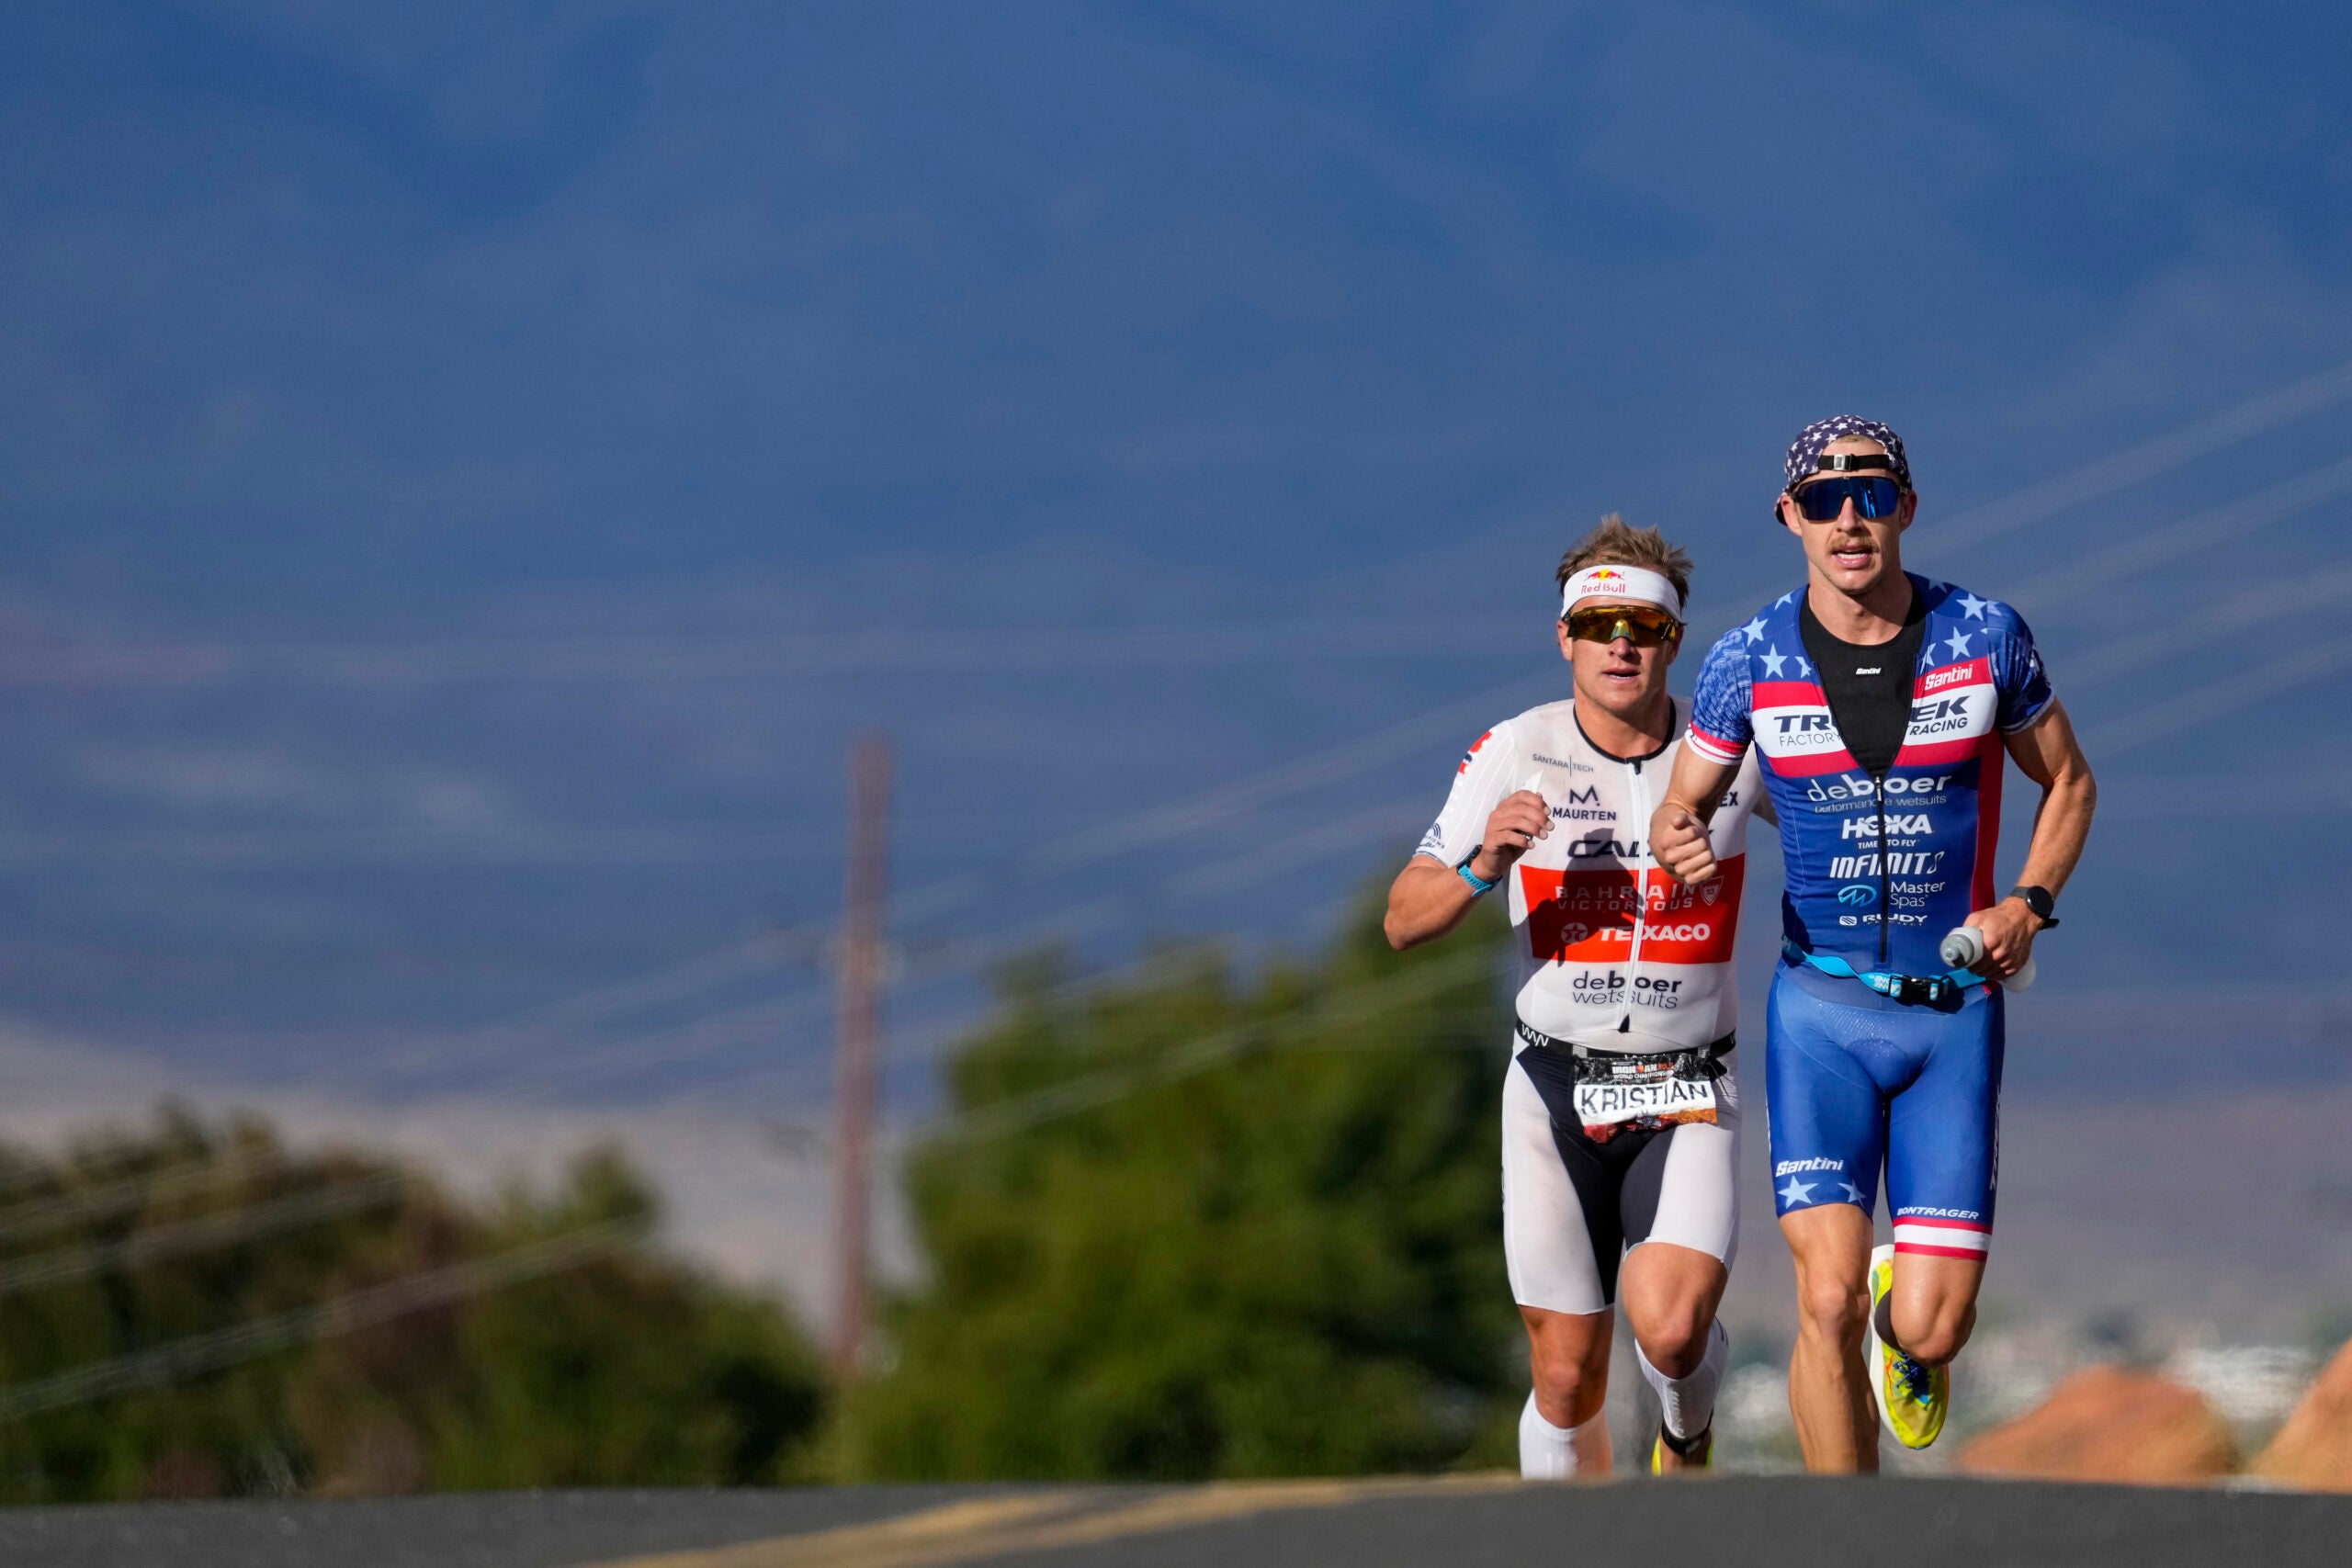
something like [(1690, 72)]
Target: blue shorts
[(1854, 1078)]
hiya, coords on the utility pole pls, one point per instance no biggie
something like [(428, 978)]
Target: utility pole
[(859, 971)]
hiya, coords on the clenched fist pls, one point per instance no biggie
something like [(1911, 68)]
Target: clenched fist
[(1679, 842), (2010, 928), (1512, 830)]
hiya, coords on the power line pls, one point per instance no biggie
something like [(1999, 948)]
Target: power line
[(192, 1356), (2224, 524), (1214, 807), (54, 1212), (757, 1024), (2122, 654), (933, 651), (205, 1233), (523, 844), (531, 844), (539, 1026), (1203, 1052), (2048, 497), (761, 655), (705, 1038), (1186, 1058), (2237, 690), (2296, 594), (2320, 788), (1218, 806)]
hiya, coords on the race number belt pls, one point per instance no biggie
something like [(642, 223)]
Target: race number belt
[(1618, 1091), (1909, 990)]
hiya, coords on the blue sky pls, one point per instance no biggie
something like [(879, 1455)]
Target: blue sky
[(470, 470)]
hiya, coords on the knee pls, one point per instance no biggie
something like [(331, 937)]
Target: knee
[(1833, 1310), (1567, 1390), (1939, 1338), (1676, 1346)]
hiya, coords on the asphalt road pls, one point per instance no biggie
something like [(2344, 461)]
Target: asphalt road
[(1462, 1523)]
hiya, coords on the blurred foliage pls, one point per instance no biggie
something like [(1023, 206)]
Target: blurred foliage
[(620, 1369), (1278, 1253)]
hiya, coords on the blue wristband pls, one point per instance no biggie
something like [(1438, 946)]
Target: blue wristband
[(1478, 884)]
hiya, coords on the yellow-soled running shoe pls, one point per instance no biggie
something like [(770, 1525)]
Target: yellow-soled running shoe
[(1912, 1397), (1700, 1455)]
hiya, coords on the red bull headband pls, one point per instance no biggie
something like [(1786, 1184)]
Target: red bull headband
[(1631, 584)]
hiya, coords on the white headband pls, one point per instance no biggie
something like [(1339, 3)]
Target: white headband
[(1622, 583)]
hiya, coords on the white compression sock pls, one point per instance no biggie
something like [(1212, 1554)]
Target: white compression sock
[(1687, 1403), (1554, 1453)]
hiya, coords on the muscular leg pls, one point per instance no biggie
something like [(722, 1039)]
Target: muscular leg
[(1670, 1294), (1943, 1151), (1568, 1354), (1837, 1425)]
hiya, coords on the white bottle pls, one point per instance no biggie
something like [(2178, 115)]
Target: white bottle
[(1963, 948)]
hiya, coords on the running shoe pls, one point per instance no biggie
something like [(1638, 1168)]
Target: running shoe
[(1700, 1454), (1912, 1396)]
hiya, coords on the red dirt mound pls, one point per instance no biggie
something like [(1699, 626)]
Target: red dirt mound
[(2315, 1447), (2108, 1424)]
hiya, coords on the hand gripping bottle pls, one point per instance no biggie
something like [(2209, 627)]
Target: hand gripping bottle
[(1964, 947)]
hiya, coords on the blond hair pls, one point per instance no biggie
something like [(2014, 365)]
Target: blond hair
[(1615, 542)]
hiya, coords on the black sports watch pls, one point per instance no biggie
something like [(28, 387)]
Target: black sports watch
[(2038, 900)]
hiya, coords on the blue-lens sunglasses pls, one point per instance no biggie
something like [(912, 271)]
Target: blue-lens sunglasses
[(1873, 496)]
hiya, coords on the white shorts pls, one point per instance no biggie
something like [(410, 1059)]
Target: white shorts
[(1572, 1208)]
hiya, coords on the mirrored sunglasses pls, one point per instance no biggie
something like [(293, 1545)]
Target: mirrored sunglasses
[(1607, 622)]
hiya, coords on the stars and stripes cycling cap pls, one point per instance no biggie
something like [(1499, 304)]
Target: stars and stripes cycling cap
[(1804, 452)]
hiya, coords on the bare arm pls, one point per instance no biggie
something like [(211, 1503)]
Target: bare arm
[(2047, 752), (1425, 902), (1429, 899), (1678, 839)]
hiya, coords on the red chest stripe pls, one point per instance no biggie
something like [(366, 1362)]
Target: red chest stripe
[(1787, 695)]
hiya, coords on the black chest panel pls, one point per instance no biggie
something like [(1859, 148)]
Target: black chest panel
[(1868, 686)]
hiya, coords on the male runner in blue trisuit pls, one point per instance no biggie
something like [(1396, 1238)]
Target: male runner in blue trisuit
[(1882, 704)]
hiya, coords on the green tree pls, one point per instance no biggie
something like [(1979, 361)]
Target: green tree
[(620, 1367), (1189, 1226)]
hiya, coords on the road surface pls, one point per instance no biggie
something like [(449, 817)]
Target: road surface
[(1464, 1522)]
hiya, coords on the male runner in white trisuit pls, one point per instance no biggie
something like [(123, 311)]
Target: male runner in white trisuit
[(1620, 1112)]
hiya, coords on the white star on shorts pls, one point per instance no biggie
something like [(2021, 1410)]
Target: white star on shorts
[(1797, 1191)]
